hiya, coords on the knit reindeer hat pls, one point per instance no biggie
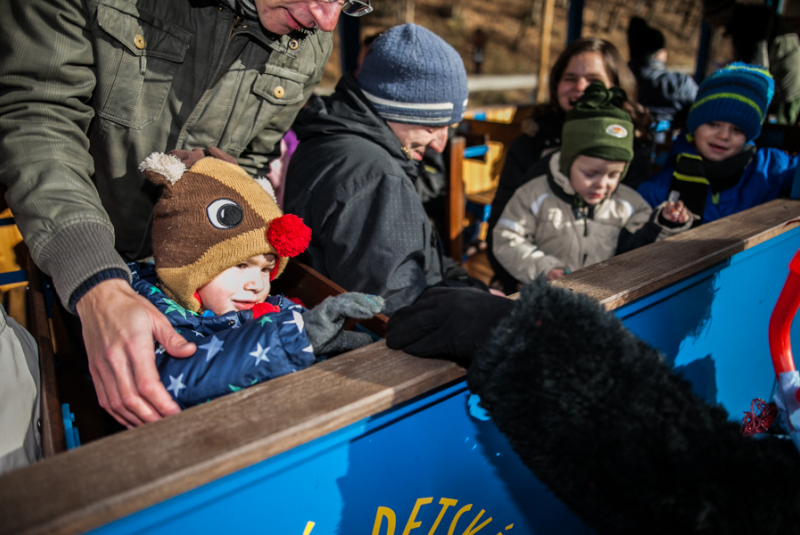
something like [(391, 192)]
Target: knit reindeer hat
[(212, 216)]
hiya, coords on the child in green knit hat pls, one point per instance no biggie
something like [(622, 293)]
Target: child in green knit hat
[(575, 212)]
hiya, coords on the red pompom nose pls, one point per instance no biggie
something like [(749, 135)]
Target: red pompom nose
[(288, 235)]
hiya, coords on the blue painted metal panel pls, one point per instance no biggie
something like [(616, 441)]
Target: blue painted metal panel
[(429, 465), (411, 464), (713, 326)]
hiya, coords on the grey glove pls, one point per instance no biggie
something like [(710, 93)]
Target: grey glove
[(325, 322)]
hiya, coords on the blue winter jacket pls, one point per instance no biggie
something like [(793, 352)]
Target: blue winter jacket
[(768, 176), (234, 350)]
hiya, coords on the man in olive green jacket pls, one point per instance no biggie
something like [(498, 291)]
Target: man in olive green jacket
[(88, 89)]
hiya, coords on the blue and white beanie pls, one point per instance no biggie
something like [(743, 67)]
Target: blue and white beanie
[(738, 94), (411, 75)]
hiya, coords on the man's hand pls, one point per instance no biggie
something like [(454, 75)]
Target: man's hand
[(118, 330)]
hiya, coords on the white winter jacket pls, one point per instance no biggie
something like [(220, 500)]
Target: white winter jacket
[(542, 227)]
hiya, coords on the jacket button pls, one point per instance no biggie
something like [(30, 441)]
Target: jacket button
[(293, 44), (231, 322), (279, 92), (138, 41)]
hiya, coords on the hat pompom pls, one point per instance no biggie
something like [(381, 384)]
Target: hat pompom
[(288, 235)]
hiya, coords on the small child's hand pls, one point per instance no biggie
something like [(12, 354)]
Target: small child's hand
[(676, 212), (555, 273)]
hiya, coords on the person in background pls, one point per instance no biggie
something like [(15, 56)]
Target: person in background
[(89, 91), (478, 49), (718, 171), (581, 63), (761, 37), (20, 387), (666, 94), (370, 231), (578, 213), (278, 166)]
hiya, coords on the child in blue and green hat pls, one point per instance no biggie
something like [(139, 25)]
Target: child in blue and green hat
[(717, 170)]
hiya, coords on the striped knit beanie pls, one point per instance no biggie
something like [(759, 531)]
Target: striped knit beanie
[(212, 216), (411, 75), (738, 94)]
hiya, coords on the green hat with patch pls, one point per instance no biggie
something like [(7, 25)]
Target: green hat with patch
[(597, 126)]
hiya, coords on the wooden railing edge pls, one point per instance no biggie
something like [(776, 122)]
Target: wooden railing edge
[(630, 276), (119, 475)]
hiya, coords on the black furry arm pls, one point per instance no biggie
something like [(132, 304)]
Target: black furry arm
[(597, 415)]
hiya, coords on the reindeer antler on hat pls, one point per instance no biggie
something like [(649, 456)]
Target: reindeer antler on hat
[(212, 216)]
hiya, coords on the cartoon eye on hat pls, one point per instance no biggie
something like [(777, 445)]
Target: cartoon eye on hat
[(225, 214)]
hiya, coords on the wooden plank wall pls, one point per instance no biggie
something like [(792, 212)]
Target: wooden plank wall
[(119, 475)]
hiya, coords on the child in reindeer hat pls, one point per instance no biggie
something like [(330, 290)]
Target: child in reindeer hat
[(717, 170), (219, 239), (576, 212)]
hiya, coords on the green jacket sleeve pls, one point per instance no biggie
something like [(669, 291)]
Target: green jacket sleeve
[(48, 76)]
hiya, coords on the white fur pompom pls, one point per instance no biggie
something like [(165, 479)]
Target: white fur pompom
[(168, 166), (267, 185)]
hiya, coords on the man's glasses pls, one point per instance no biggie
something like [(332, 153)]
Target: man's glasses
[(354, 8)]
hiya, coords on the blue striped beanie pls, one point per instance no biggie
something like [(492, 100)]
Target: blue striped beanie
[(738, 94), (411, 75)]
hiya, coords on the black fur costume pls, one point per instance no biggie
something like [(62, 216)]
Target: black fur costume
[(617, 435)]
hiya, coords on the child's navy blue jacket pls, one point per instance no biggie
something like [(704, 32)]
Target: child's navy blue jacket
[(234, 350)]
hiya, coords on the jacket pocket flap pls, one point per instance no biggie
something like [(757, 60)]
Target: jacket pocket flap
[(142, 34), (280, 86)]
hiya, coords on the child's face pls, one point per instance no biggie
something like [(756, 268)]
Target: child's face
[(718, 140), (240, 287), (594, 179)]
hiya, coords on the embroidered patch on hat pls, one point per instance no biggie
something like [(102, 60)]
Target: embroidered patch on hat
[(616, 130)]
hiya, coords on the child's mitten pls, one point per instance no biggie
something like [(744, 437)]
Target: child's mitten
[(325, 322)]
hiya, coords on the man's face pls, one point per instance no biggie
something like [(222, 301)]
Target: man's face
[(284, 16), (416, 138)]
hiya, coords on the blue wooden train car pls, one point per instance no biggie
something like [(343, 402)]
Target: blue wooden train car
[(378, 442)]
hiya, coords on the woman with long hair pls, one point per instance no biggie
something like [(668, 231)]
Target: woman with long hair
[(581, 63)]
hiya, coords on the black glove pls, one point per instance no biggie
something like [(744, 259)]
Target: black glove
[(449, 323), (325, 322)]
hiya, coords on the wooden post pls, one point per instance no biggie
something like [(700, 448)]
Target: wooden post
[(53, 440), (544, 61), (455, 199), (406, 11)]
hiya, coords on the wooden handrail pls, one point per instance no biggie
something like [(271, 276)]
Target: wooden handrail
[(118, 475), (632, 275)]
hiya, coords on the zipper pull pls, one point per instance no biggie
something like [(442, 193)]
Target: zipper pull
[(235, 26)]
